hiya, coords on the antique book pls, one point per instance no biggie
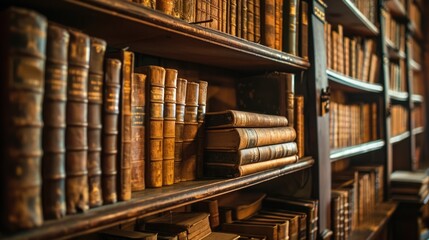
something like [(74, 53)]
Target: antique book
[(250, 20), (222, 236), (188, 11), (374, 69), (243, 8), (369, 46), (165, 6), (239, 19), (278, 24), (232, 170), (299, 124), (378, 171), (281, 225), (257, 21), (224, 17), (180, 120), (95, 100), (111, 103), (232, 24), (240, 138), (290, 18), (147, 3), (268, 23), (251, 155), (292, 218), (121, 234), (138, 103), (23, 44), (346, 60), (270, 231), (154, 123), (209, 206), (299, 217), (190, 128), (77, 123), (169, 126), (235, 118), (242, 204), (201, 115), (353, 58), (328, 37), (215, 15), (303, 30), (54, 121)]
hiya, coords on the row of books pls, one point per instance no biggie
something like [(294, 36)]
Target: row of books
[(279, 24), (352, 124), (394, 32), (409, 186), (367, 8), (355, 195), (399, 120), (397, 76), (351, 56)]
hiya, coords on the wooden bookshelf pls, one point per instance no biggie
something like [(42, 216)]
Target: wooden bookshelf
[(398, 96), (400, 137), (346, 83), (341, 153)]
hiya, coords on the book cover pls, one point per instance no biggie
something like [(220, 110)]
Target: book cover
[(169, 126), (268, 23), (236, 118), (180, 120), (291, 23), (201, 115)]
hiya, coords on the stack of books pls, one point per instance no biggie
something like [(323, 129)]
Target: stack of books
[(240, 143), (409, 186)]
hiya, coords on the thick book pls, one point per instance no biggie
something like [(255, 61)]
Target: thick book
[(235, 118), (291, 23), (111, 96), (121, 234), (231, 170), (23, 44), (190, 129), (201, 115), (95, 100), (242, 204), (54, 121), (268, 23), (292, 218), (299, 217), (180, 121), (155, 84), (282, 225), (169, 126), (270, 231), (138, 103), (77, 123), (252, 155), (240, 138)]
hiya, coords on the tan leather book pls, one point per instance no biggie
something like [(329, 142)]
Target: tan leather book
[(340, 50), (243, 8), (154, 130), (242, 204), (366, 64), (235, 118), (292, 218), (169, 126), (77, 123), (268, 23), (232, 24), (301, 218), (231, 170), (224, 17), (374, 69), (95, 100), (250, 20), (289, 92), (291, 21), (353, 58), (239, 18), (166, 6), (208, 206), (240, 138), (346, 56), (111, 97), (282, 225), (147, 3), (202, 102), (270, 231), (180, 120), (299, 125), (21, 122), (138, 103), (188, 10), (190, 129), (215, 14), (54, 121)]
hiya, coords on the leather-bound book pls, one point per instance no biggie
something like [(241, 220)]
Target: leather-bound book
[(290, 18), (202, 101), (180, 120), (208, 206), (222, 236), (250, 20), (270, 231), (111, 97), (293, 221), (232, 24), (95, 100), (77, 123), (299, 124), (23, 43), (138, 103), (257, 21), (238, 18), (147, 3), (190, 129), (54, 119), (289, 95), (243, 8), (121, 234), (188, 10), (169, 126), (154, 124), (268, 23), (278, 24), (303, 50), (235, 118), (282, 225), (165, 6)]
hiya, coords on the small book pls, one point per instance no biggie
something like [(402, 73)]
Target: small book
[(235, 118)]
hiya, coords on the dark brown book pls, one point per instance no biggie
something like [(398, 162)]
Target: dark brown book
[(208, 206), (111, 96), (235, 118), (154, 121), (252, 155), (77, 123), (166, 6), (299, 124), (121, 234), (242, 204), (169, 126), (303, 31), (22, 51), (54, 121), (138, 103), (180, 120), (278, 24), (201, 115), (240, 138), (268, 23), (95, 100), (288, 93), (290, 18), (190, 129), (257, 21), (270, 231)]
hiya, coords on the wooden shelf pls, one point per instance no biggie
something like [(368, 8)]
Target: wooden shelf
[(351, 84), (151, 201), (418, 130), (396, 8), (341, 153), (375, 222), (127, 24), (398, 96), (416, 98), (348, 15), (400, 137)]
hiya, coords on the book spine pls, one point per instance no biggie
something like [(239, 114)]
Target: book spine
[(244, 20), (209, 206), (299, 124), (189, 155), (111, 98), (238, 18), (278, 24), (95, 100), (233, 17), (268, 23), (169, 126), (257, 21), (21, 122), (290, 98), (125, 118), (177, 9), (250, 20), (188, 12), (290, 13), (138, 91), (154, 124), (202, 101), (304, 30), (147, 3), (77, 123), (165, 6), (233, 118), (54, 114), (180, 119), (224, 16), (215, 14)]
